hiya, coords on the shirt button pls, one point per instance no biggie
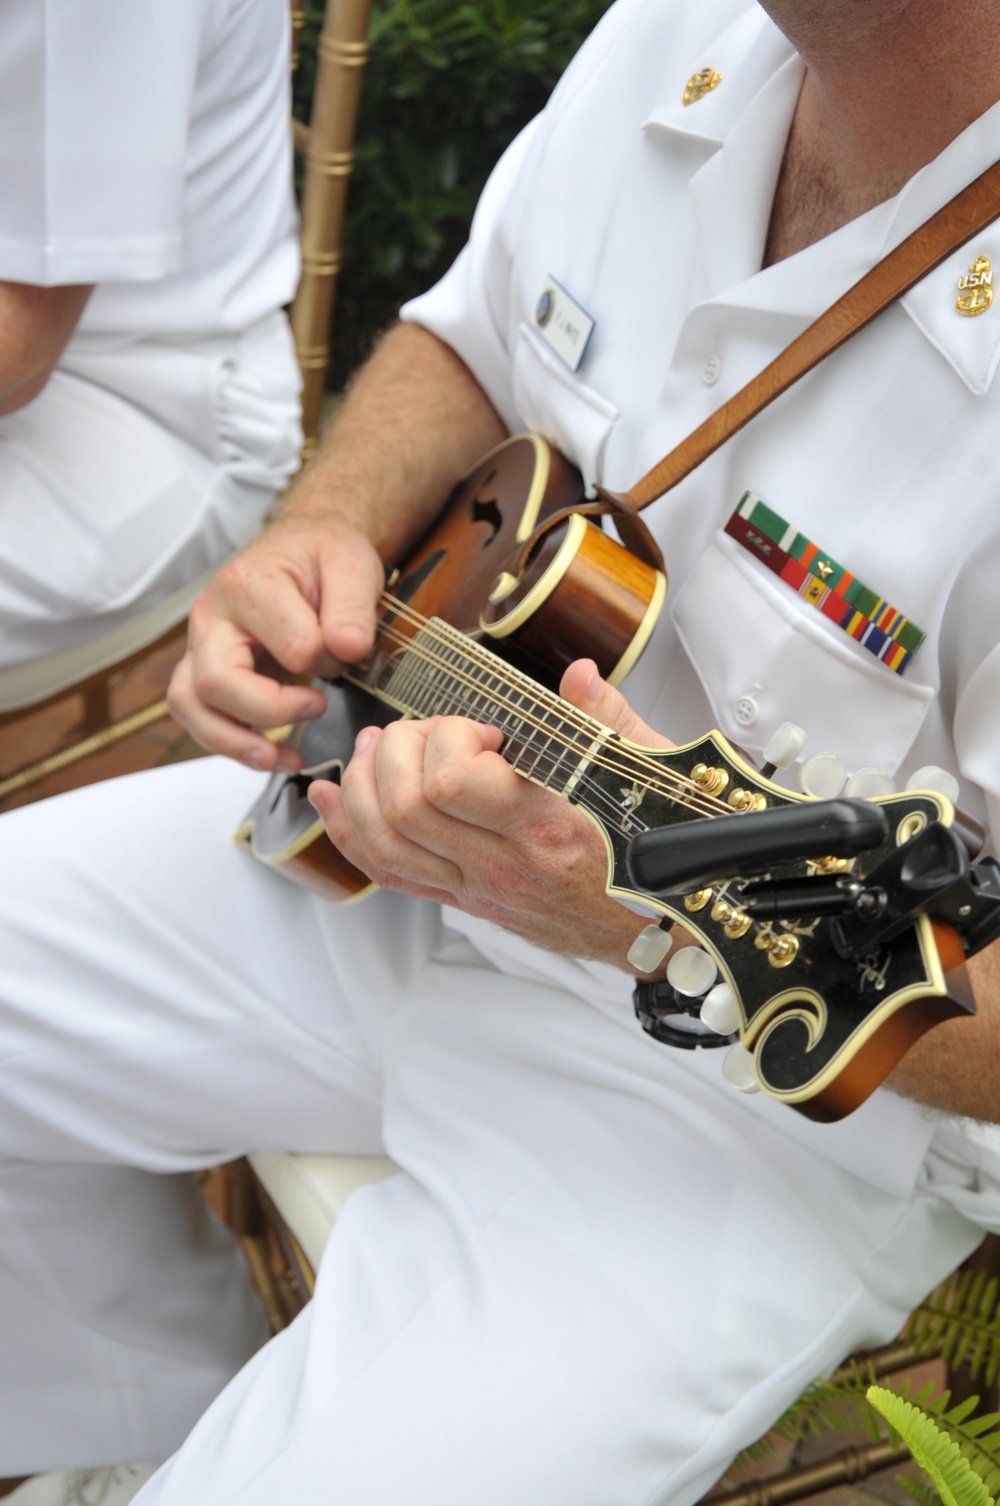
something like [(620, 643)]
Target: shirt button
[(745, 710), (711, 371)]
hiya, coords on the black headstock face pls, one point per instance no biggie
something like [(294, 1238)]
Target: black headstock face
[(805, 1011)]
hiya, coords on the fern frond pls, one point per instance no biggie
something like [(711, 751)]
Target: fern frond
[(937, 1454), (826, 1406), (960, 1320), (976, 1436), (922, 1493)]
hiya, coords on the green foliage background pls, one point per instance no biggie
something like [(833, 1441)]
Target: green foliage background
[(448, 85)]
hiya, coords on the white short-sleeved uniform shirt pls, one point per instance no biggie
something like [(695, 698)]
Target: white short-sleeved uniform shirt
[(146, 148), (653, 215)]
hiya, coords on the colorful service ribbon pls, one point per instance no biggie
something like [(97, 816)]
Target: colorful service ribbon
[(825, 584)]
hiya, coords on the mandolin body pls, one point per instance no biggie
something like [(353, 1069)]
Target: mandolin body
[(579, 595)]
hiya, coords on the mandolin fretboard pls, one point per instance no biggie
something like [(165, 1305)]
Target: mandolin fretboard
[(441, 672)]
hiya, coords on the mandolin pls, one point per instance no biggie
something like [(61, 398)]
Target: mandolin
[(509, 586)]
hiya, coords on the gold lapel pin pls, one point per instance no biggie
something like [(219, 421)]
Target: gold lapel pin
[(700, 84), (975, 292)]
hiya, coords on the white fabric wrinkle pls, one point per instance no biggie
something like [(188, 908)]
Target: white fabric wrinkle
[(977, 745), (962, 1168), (137, 471), (822, 1354), (33, 1261)]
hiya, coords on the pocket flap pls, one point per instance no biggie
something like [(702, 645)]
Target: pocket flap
[(763, 661)]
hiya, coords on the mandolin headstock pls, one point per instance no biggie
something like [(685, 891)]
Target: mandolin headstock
[(817, 1028)]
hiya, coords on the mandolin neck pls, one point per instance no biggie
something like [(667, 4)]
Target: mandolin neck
[(439, 671)]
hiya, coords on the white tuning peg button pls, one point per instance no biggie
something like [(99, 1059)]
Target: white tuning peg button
[(692, 971), (739, 1071), (784, 745), (866, 784), (719, 1010), (822, 776), (649, 948), (931, 777)]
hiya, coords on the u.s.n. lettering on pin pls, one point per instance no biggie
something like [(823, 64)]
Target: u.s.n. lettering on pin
[(563, 324)]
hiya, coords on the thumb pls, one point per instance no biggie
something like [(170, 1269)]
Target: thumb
[(584, 688), (352, 577)]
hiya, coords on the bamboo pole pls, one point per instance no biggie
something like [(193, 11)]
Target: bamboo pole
[(32, 773), (342, 54), (845, 1468)]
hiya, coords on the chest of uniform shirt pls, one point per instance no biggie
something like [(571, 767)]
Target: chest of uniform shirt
[(866, 456)]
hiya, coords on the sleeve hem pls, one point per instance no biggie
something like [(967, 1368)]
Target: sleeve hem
[(89, 259)]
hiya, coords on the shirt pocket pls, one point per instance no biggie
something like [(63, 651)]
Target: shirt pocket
[(552, 402), (762, 661)]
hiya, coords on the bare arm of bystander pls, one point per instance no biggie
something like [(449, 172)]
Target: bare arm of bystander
[(35, 325)]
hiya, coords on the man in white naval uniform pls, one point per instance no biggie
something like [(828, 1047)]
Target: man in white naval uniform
[(600, 1270), (148, 385)]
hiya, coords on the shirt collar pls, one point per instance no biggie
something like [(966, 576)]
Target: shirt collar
[(736, 136), (970, 345), (745, 55), (741, 127)]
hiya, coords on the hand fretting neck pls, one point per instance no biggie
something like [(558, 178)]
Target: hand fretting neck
[(424, 667), (439, 671)]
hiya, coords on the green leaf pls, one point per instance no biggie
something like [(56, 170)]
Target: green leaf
[(448, 85), (922, 1493), (936, 1453)]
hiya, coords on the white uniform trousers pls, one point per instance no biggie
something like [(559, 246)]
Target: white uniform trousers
[(596, 1277), (139, 468)]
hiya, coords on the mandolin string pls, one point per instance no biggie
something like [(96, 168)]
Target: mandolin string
[(590, 794), (451, 638), (454, 639), (586, 790)]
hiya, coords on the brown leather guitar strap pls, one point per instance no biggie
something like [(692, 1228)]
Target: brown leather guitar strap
[(946, 231)]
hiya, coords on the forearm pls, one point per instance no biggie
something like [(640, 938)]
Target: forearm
[(302, 598), (414, 421), (956, 1066), (35, 324)]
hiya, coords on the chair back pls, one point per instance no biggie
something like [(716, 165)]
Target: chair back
[(328, 148)]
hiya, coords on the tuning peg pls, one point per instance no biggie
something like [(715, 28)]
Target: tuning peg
[(719, 1010), (866, 784), (692, 971), (783, 748), (822, 776), (650, 947), (931, 777), (739, 1071)]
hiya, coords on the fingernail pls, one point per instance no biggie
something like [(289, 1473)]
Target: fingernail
[(256, 759), (363, 739)]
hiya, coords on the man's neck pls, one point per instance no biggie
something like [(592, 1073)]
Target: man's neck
[(889, 84)]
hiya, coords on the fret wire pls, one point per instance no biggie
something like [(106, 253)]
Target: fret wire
[(597, 796), (443, 638), (540, 742), (404, 671), (517, 714)]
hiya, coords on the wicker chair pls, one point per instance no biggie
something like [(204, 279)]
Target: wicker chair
[(90, 672)]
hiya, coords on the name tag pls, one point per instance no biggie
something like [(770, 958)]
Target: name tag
[(563, 324)]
